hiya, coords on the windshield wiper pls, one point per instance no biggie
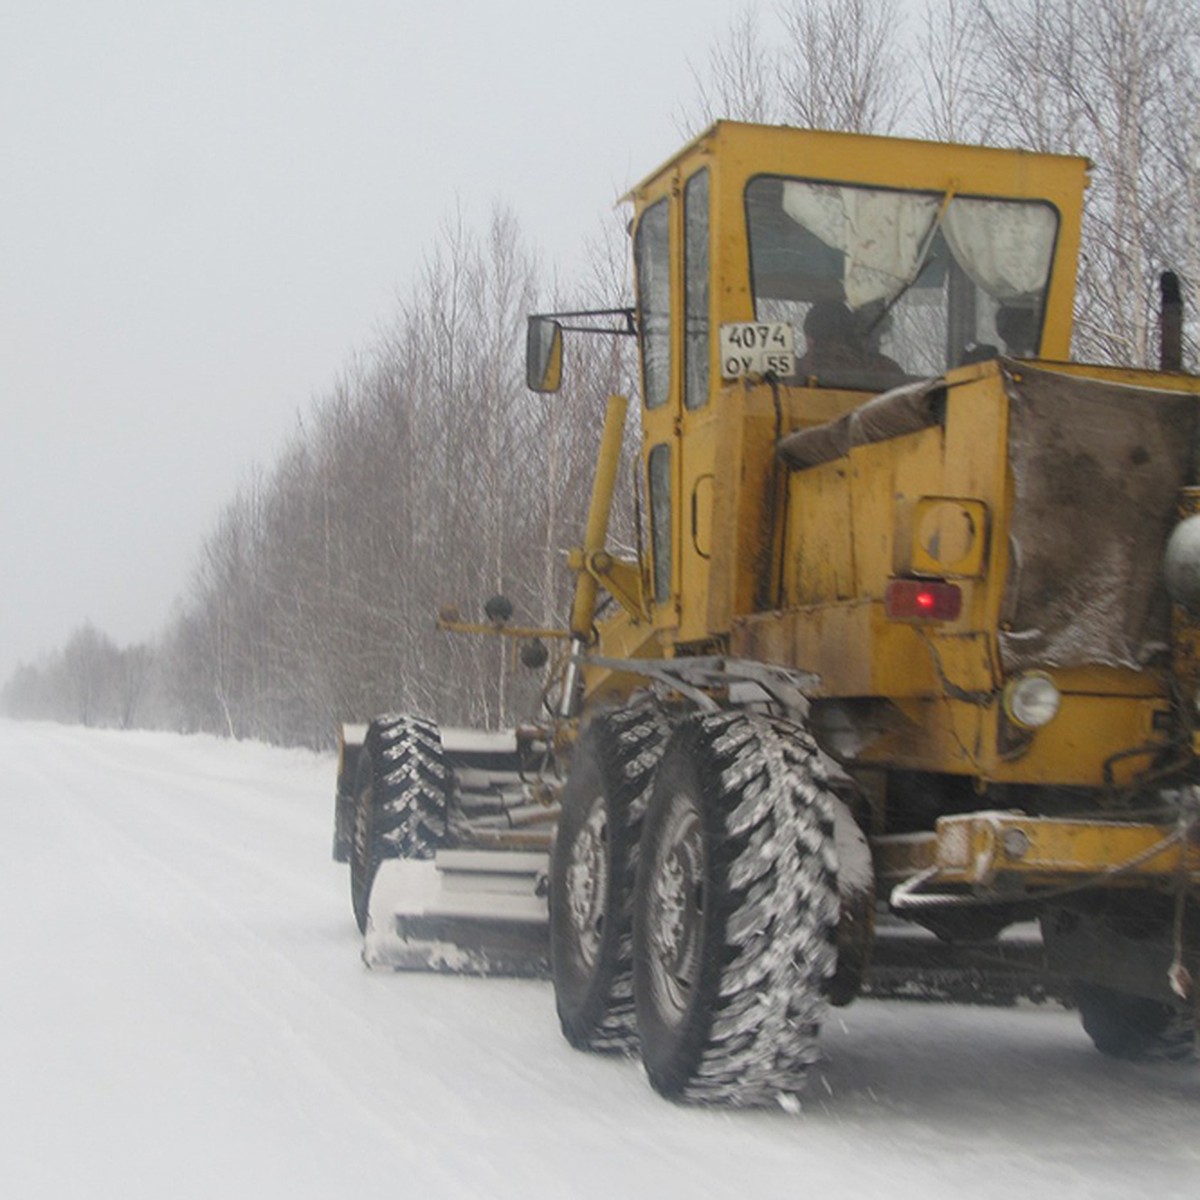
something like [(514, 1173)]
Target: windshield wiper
[(921, 263)]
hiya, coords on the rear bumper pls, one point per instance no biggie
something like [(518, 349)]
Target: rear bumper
[(1019, 856)]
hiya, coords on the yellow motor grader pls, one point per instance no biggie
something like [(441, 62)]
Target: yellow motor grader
[(916, 623)]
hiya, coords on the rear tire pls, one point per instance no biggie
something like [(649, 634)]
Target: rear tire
[(400, 801), (735, 912), (592, 872), (1134, 1027)]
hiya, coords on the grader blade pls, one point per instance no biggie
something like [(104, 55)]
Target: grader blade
[(468, 912)]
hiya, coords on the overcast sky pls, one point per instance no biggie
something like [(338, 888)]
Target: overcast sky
[(208, 204)]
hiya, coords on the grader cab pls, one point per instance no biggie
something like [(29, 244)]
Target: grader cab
[(916, 627)]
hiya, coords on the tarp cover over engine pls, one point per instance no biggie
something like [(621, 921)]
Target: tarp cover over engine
[(1097, 469)]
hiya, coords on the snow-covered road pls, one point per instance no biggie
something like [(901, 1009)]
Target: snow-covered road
[(183, 1013)]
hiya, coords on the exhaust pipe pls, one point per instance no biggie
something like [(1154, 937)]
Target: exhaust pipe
[(1170, 345)]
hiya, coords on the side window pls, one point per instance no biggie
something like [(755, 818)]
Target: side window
[(652, 255), (659, 470), (695, 278)]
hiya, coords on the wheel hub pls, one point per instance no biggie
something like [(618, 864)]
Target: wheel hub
[(587, 883), (677, 909)]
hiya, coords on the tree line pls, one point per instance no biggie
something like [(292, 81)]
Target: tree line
[(428, 474)]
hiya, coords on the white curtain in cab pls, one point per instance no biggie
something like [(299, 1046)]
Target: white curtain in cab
[(881, 234)]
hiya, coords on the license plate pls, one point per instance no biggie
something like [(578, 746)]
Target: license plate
[(757, 348)]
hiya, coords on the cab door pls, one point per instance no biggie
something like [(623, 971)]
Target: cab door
[(672, 256), (655, 262)]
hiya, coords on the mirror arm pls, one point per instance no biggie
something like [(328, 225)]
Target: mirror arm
[(628, 329)]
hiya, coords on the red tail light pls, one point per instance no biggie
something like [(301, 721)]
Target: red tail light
[(922, 600)]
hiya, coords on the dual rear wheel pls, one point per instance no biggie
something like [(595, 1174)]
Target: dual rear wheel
[(708, 933), (592, 876)]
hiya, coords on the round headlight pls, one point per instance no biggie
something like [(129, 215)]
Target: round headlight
[(1181, 565), (1032, 700)]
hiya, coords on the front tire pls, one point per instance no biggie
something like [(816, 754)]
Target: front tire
[(400, 801), (592, 877), (735, 912)]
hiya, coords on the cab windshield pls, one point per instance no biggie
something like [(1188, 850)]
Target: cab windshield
[(883, 285)]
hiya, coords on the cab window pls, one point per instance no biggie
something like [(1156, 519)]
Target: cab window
[(883, 285), (652, 258)]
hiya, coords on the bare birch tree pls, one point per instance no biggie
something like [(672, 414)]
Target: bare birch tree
[(1105, 78), (949, 48), (738, 80), (841, 65), (822, 64)]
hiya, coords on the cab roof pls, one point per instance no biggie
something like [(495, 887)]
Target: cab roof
[(750, 150)]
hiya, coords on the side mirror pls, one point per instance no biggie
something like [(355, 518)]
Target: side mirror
[(543, 355)]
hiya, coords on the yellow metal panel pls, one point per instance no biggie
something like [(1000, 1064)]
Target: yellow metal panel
[(829, 639), (943, 688), (819, 556), (1087, 732), (960, 737), (742, 435), (987, 849), (697, 468), (978, 848), (804, 407), (881, 473), (944, 536), (727, 492)]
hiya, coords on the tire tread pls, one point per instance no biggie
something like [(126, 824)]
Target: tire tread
[(776, 936)]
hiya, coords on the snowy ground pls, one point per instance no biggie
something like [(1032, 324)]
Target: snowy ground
[(183, 1013)]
